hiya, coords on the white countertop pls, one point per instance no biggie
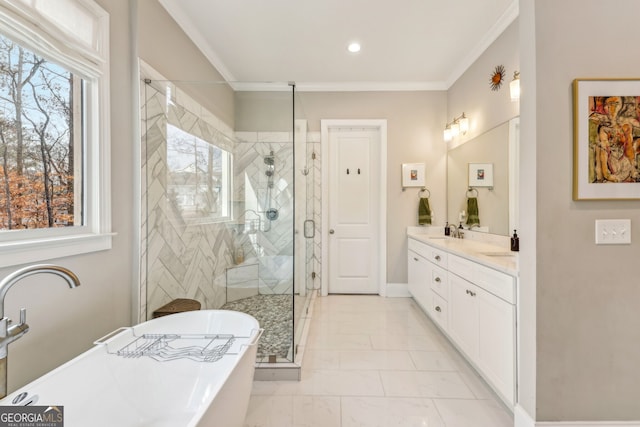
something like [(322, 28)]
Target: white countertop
[(491, 251)]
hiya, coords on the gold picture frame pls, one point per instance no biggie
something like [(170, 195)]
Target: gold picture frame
[(606, 139)]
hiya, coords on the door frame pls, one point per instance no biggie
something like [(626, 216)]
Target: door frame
[(369, 124)]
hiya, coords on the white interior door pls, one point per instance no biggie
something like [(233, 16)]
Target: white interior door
[(354, 210)]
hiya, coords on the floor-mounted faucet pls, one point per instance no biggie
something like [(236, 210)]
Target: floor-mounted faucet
[(8, 332)]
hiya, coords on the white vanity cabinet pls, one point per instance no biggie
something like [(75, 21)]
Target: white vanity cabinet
[(427, 277), (418, 272), (474, 305), (482, 323)]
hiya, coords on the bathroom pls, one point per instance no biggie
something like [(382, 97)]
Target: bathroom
[(66, 323)]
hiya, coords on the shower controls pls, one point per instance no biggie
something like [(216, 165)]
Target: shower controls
[(272, 214)]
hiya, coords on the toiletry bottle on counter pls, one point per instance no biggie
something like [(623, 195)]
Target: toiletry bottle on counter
[(515, 242), (447, 231)]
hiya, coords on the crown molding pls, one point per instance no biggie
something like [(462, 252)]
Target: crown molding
[(176, 12), (494, 32)]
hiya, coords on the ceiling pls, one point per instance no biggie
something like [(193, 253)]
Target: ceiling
[(406, 44)]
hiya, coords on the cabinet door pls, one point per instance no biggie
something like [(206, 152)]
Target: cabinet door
[(463, 315), (496, 351), (419, 276)]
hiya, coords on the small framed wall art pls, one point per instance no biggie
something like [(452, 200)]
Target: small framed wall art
[(413, 175), (481, 175)]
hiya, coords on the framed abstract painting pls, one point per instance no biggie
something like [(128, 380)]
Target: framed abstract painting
[(606, 139)]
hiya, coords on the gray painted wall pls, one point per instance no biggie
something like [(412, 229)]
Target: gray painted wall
[(587, 296), (65, 322), (414, 135), (164, 46), (472, 94)]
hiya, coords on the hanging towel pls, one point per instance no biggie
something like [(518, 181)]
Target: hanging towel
[(424, 211), (473, 217)]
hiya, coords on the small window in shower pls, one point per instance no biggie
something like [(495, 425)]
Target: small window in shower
[(198, 181)]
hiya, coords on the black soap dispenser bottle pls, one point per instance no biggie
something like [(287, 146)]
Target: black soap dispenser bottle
[(515, 242)]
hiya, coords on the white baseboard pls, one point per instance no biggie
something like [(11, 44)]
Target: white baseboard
[(588, 424), (397, 290), (522, 419)]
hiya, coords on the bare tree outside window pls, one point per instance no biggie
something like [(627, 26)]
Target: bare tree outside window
[(37, 141)]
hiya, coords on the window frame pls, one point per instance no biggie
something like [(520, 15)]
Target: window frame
[(30, 28)]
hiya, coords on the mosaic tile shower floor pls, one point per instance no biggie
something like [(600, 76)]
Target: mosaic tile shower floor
[(275, 315)]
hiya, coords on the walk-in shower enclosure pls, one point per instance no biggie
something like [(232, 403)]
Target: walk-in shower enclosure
[(218, 210)]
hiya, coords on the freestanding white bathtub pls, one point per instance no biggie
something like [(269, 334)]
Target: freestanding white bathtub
[(172, 386)]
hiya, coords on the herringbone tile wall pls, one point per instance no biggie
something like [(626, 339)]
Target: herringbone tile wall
[(181, 259)]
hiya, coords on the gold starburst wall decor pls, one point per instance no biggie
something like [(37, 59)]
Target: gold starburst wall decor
[(497, 77)]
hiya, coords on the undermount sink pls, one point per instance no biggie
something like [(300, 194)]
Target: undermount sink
[(437, 237), (498, 254)]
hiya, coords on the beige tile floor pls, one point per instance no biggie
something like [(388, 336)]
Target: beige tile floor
[(373, 361)]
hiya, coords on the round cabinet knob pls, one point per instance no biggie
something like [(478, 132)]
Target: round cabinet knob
[(438, 309), (437, 280), (332, 231), (437, 257)]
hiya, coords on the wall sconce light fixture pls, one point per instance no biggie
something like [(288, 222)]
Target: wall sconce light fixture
[(514, 86), (459, 125)]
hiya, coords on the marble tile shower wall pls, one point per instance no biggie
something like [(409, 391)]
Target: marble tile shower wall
[(179, 259), (271, 247), (182, 260)]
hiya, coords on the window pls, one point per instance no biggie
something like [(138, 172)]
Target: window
[(54, 130), (198, 177), (40, 142)]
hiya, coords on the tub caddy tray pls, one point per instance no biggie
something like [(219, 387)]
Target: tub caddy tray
[(166, 347)]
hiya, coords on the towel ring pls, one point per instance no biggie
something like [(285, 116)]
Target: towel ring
[(472, 191), (422, 191)]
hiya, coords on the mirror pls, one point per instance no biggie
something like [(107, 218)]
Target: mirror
[(497, 205)]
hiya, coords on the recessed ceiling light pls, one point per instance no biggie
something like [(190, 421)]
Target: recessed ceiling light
[(354, 47)]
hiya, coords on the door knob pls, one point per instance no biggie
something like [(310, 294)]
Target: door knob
[(331, 231)]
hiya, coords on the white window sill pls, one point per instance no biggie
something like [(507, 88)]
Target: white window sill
[(38, 250)]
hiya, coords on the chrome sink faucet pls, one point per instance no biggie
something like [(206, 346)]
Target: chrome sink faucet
[(455, 232), (8, 332)]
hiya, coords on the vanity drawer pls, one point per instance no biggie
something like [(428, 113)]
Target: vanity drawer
[(439, 310), (461, 267), (430, 253), (496, 282), (439, 282)]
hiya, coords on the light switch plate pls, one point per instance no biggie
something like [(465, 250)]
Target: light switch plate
[(613, 231)]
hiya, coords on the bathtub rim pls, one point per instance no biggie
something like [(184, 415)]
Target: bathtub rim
[(200, 411)]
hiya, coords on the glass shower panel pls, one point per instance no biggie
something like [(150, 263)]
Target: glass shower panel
[(218, 205), (264, 226)]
